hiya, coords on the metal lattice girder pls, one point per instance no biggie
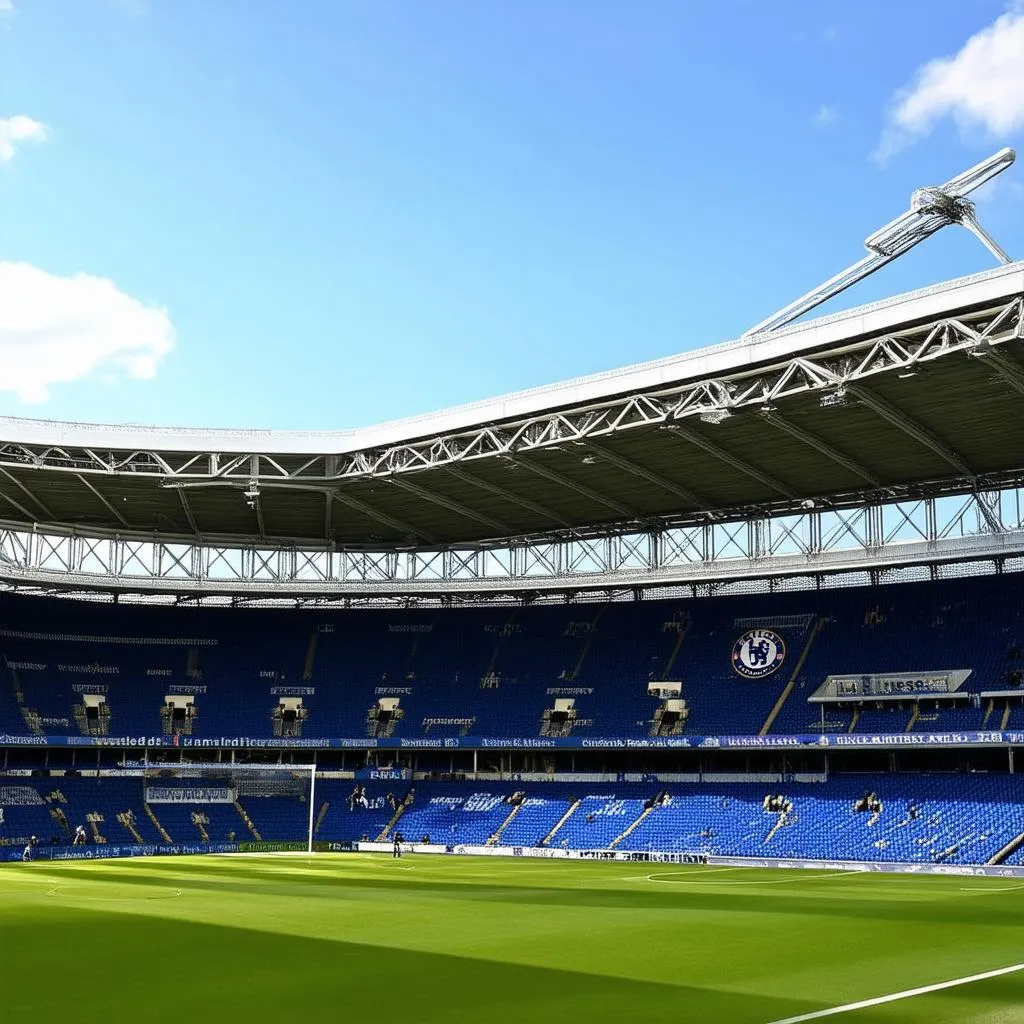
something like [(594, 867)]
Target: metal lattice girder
[(982, 525)]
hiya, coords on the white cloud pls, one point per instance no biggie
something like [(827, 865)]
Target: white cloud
[(18, 130), (982, 86), (995, 190), (6, 7), (825, 116), (54, 330)]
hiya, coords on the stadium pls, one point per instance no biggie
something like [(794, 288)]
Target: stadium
[(689, 691)]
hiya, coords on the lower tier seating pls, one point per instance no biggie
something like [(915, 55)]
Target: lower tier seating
[(921, 818)]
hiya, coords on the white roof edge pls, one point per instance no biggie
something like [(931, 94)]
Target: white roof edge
[(715, 360)]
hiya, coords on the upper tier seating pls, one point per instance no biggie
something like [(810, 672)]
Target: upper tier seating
[(495, 671)]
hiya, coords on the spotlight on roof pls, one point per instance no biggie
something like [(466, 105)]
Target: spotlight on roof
[(833, 399), (714, 415)]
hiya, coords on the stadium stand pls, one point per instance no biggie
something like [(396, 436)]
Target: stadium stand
[(587, 670), (71, 668), (924, 818)]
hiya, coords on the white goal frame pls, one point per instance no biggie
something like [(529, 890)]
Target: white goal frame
[(183, 769)]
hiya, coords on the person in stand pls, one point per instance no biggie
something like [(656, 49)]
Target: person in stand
[(79, 839)]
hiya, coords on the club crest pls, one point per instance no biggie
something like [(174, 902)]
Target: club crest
[(758, 653)]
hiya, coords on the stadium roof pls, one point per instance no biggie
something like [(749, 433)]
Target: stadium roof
[(919, 394)]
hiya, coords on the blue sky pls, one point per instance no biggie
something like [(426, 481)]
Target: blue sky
[(320, 214)]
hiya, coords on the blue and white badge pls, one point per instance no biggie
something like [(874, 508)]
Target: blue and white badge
[(758, 653)]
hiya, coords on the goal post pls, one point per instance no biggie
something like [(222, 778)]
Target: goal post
[(257, 807)]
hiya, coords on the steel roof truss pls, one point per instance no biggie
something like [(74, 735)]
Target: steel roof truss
[(222, 563), (686, 544), (822, 447), (508, 496), (690, 497), (740, 465), (584, 555), (14, 503), (581, 489), (177, 561), (371, 512), (429, 566), (909, 426), (541, 560), (634, 551), (55, 553), (187, 509), (28, 493), (791, 534), (851, 523), (453, 506), (464, 565), (908, 521)]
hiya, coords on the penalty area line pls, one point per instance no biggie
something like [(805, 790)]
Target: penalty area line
[(896, 996)]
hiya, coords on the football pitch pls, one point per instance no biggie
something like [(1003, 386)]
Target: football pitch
[(293, 938)]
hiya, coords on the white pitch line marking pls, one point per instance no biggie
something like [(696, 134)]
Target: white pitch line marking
[(694, 871), (895, 996), (990, 888), (733, 882)]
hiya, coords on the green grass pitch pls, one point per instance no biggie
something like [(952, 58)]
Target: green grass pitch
[(424, 939)]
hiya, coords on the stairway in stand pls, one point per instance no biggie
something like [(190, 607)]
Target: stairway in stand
[(495, 838), (1011, 847), (791, 685), (635, 824), (399, 811), (248, 822), (321, 815), (546, 841), (127, 819), (94, 819), (161, 831)]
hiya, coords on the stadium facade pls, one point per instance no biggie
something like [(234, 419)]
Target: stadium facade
[(759, 600)]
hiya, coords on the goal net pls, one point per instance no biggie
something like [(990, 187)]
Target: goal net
[(255, 807)]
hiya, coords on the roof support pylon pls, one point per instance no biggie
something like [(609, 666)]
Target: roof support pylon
[(931, 208)]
